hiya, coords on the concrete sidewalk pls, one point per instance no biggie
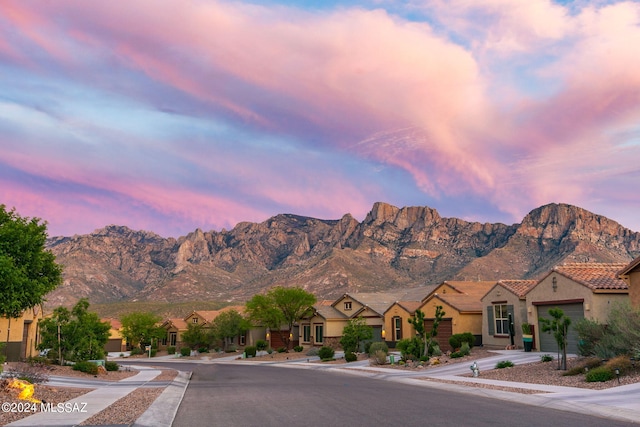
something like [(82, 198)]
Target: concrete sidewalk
[(105, 394)]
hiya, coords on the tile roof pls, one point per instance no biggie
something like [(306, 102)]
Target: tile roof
[(519, 287), (409, 306), (478, 288), (329, 312), (178, 323), (461, 302), (595, 276)]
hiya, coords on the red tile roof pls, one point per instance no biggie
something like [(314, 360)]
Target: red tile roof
[(519, 287), (595, 276)]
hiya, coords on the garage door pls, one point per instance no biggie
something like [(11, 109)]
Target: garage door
[(547, 341), (445, 330)]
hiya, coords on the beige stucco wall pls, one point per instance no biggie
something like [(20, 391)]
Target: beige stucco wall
[(501, 295), (14, 329), (634, 288), (355, 306), (397, 311), (460, 322)]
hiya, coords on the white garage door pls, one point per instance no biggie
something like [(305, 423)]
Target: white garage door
[(547, 341)]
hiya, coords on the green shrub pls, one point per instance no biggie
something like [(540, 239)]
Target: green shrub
[(456, 340), (589, 363), (203, 350), (313, 351), (600, 374), (185, 351), (350, 357), (261, 345), (367, 347), (250, 351), (136, 350), (378, 358), (86, 367), (465, 349), (435, 350), (298, 348), (504, 364), (410, 348), (231, 348), (456, 354), (111, 366), (171, 349), (326, 353), (269, 350), (281, 349), (546, 358), (378, 346)]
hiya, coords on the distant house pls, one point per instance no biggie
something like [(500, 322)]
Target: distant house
[(116, 343), (175, 327), (461, 302), (20, 334), (396, 321), (631, 275), (581, 290), (505, 300)]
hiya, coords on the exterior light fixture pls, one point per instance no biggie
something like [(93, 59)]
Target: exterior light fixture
[(618, 374), (384, 333)]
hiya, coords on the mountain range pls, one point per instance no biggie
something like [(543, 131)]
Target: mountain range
[(391, 248)]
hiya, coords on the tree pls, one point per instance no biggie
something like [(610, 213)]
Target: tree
[(280, 306), (427, 337), (27, 271), (74, 335), (559, 327), (227, 325), (140, 329), (355, 332), (195, 336)]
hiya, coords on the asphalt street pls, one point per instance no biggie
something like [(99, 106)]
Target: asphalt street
[(253, 395)]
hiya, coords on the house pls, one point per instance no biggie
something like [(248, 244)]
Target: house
[(581, 290), (631, 275), (461, 302), (116, 343), (176, 326), (505, 301), (396, 317), (20, 334)]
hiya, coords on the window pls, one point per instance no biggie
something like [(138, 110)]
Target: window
[(397, 328), (347, 306), (319, 334), (242, 339), (306, 333), (164, 340), (173, 338), (501, 318), (194, 320)]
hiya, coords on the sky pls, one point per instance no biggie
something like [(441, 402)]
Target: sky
[(168, 116)]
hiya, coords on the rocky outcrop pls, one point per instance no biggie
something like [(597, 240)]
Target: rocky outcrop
[(393, 247)]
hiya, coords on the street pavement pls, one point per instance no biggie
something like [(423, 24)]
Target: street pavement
[(619, 403)]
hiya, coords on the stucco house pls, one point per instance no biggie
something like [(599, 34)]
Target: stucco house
[(396, 321), (461, 302), (19, 334), (506, 297), (631, 275), (116, 343), (581, 290)]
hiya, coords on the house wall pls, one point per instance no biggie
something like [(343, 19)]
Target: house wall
[(602, 304), (503, 296), (407, 329), (21, 333), (345, 300), (634, 288)]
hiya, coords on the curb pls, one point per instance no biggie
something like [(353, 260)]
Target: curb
[(163, 410)]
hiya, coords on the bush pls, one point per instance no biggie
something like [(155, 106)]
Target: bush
[(136, 350), (185, 351), (410, 348), (86, 367), (326, 353), (261, 345), (350, 357), (435, 350), (313, 351), (111, 366), (153, 353), (250, 351), (599, 374), (171, 349), (456, 354), (504, 364), (231, 348), (465, 349), (282, 349), (367, 347), (546, 358), (378, 346), (203, 350), (590, 363), (378, 358), (269, 350), (298, 348), (622, 363), (456, 340)]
